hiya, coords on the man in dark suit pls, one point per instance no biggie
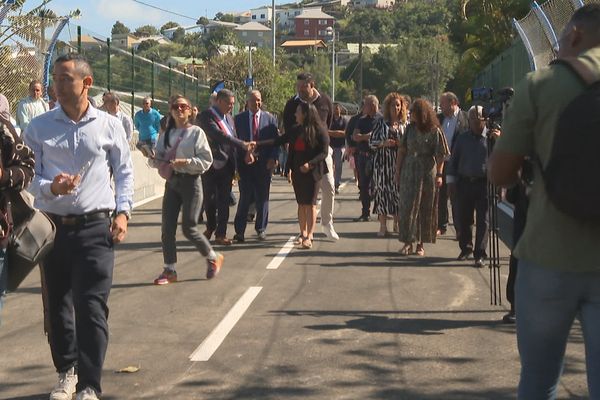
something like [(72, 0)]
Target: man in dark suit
[(453, 121), (219, 127), (255, 168)]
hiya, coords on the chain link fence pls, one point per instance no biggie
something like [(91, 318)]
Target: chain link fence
[(539, 31), (22, 44), (26, 40)]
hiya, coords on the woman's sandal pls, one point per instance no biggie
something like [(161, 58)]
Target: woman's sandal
[(420, 250), (307, 243), (406, 250)]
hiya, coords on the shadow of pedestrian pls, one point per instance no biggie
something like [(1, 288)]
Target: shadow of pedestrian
[(407, 326)]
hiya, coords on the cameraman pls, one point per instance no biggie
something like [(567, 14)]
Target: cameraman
[(467, 184)]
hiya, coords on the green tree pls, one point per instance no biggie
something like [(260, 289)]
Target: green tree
[(146, 31), (481, 30), (220, 36), (203, 21), (224, 17), (178, 35), (168, 25), (417, 67), (147, 44), (119, 28), (275, 84)]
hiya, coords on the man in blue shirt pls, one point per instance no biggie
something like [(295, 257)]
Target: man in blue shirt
[(76, 147), (147, 123)]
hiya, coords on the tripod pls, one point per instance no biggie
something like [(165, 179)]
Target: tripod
[(493, 238)]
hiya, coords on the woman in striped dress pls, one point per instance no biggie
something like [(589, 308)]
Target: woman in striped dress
[(384, 142)]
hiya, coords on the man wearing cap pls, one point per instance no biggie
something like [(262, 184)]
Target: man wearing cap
[(466, 178)]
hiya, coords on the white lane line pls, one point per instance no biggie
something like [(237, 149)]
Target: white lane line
[(212, 342), (507, 209), (285, 250)]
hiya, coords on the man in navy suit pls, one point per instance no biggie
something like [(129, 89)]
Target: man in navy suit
[(255, 168), (216, 121)]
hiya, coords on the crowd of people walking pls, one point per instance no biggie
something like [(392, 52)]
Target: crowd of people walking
[(409, 162)]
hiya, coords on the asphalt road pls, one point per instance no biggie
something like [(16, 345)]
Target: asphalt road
[(346, 320)]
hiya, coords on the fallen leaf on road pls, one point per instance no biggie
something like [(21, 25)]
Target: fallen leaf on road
[(129, 370)]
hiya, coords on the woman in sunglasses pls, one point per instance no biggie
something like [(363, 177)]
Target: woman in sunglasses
[(182, 155)]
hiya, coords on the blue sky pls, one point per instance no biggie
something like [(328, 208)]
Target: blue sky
[(99, 16)]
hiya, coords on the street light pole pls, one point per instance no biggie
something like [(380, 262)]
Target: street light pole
[(331, 30), (273, 27)]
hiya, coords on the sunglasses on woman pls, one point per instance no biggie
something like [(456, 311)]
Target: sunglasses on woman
[(180, 107)]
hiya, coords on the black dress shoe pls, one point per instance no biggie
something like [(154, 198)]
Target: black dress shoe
[(362, 218), (465, 255), (479, 262), (238, 238), (510, 318)]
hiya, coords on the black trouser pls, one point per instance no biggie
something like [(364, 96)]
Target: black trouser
[(217, 190), (364, 181), (78, 273), (443, 217), (519, 219), (254, 185), (472, 198)]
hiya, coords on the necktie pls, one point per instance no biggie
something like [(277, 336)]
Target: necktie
[(255, 127)]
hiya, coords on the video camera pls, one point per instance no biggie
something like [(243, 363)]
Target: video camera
[(493, 104)]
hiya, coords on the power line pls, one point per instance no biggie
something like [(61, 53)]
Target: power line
[(163, 10)]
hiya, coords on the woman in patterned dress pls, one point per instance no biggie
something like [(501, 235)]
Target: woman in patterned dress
[(420, 162), (384, 142)]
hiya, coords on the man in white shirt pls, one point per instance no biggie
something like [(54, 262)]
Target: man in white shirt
[(31, 106), (453, 122), (110, 104)]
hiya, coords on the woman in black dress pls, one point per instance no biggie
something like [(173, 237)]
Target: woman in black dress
[(308, 146)]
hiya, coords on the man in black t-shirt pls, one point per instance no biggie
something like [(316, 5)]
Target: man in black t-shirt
[(308, 93)]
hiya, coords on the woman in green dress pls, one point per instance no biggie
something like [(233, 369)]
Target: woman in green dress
[(421, 155)]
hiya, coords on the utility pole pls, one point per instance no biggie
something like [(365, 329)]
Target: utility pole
[(251, 86), (360, 68), (273, 27)]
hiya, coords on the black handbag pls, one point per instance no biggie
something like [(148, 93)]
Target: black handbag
[(31, 239)]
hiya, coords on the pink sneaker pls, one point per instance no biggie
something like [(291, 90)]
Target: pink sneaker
[(214, 266), (166, 277)]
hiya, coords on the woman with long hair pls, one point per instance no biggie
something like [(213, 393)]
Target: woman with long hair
[(182, 155), (421, 155), (384, 142), (308, 147)]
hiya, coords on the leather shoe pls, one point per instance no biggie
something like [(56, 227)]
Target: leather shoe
[(238, 238), (510, 318), (223, 241), (465, 255), (362, 218)]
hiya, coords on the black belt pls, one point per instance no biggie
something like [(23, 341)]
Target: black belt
[(82, 219), (473, 179)]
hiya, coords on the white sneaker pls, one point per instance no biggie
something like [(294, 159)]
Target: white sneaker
[(65, 388), (330, 232), (87, 394)]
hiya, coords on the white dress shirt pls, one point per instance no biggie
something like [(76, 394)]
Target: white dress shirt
[(93, 146)]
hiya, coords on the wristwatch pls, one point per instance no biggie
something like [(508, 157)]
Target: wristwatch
[(126, 213)]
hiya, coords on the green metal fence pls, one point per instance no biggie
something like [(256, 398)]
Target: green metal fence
[(118, 68), (506, 70)]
